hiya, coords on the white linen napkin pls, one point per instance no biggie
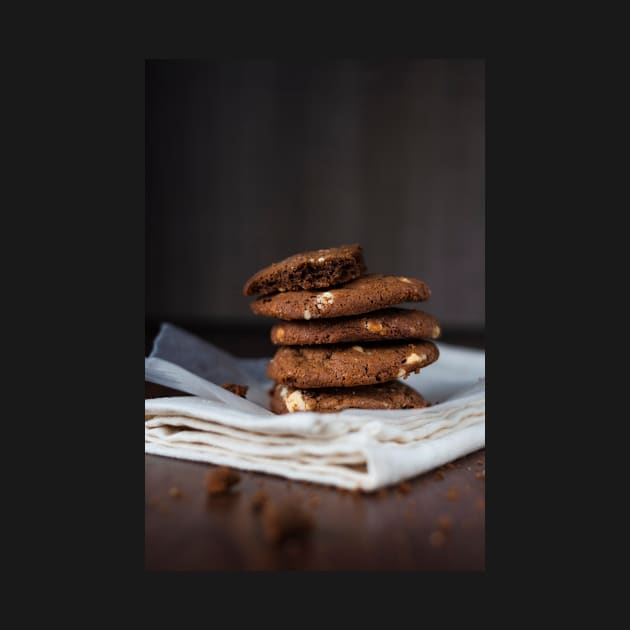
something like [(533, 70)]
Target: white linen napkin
[(365, 449)]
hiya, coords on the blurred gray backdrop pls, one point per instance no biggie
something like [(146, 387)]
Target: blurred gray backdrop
[(248, 162)]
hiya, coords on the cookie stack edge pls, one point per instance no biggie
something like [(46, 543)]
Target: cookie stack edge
[(342, 344)]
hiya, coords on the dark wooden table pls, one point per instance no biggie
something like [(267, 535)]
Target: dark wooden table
[(436, 524)]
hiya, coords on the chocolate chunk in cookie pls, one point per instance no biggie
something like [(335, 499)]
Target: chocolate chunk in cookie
[(310, 270), (392, 395), (366, 294), (349, 366), (391, 323)]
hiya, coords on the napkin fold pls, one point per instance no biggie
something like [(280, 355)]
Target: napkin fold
[(364, 449)]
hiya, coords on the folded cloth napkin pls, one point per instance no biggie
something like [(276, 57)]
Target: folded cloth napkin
[(365, 449)]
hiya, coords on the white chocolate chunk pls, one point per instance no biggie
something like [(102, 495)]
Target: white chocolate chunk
[(401, 373), (358, 348), (321, 259), (307, 314), (414, 358), (374, 326), (324, 299), (405, 279), (296, 402), (436, 332)]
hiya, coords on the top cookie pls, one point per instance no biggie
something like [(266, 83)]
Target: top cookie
[(309, 270), (364, 295)]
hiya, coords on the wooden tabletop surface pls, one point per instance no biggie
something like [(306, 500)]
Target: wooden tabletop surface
[(436, 522)]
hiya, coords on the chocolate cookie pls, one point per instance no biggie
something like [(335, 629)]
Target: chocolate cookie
[(392, 395), (348, 366), (309, 270), (391, 323), (366, 294)]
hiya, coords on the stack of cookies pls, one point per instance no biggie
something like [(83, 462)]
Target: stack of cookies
[(342, 345)]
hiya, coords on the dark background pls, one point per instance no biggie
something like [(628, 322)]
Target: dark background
[(250, 161)]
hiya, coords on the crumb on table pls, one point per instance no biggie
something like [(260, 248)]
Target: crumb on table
[(259, 500), (220, 480), (452, 494), (285, 519), (444, 522)]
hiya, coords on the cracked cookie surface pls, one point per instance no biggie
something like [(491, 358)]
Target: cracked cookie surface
[(316, 269)]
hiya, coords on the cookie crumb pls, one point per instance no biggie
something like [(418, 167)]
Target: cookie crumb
[(439, 475), (259, 500), (479, 462), (444, 523), (437, 538), (404, 487), (220, 480), (452, 494), (235, 388), (284, 520), (175, 492), (382, 492), (481, 474), (451, 466)]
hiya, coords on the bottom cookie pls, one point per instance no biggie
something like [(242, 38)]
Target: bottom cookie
[(391, 395)]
